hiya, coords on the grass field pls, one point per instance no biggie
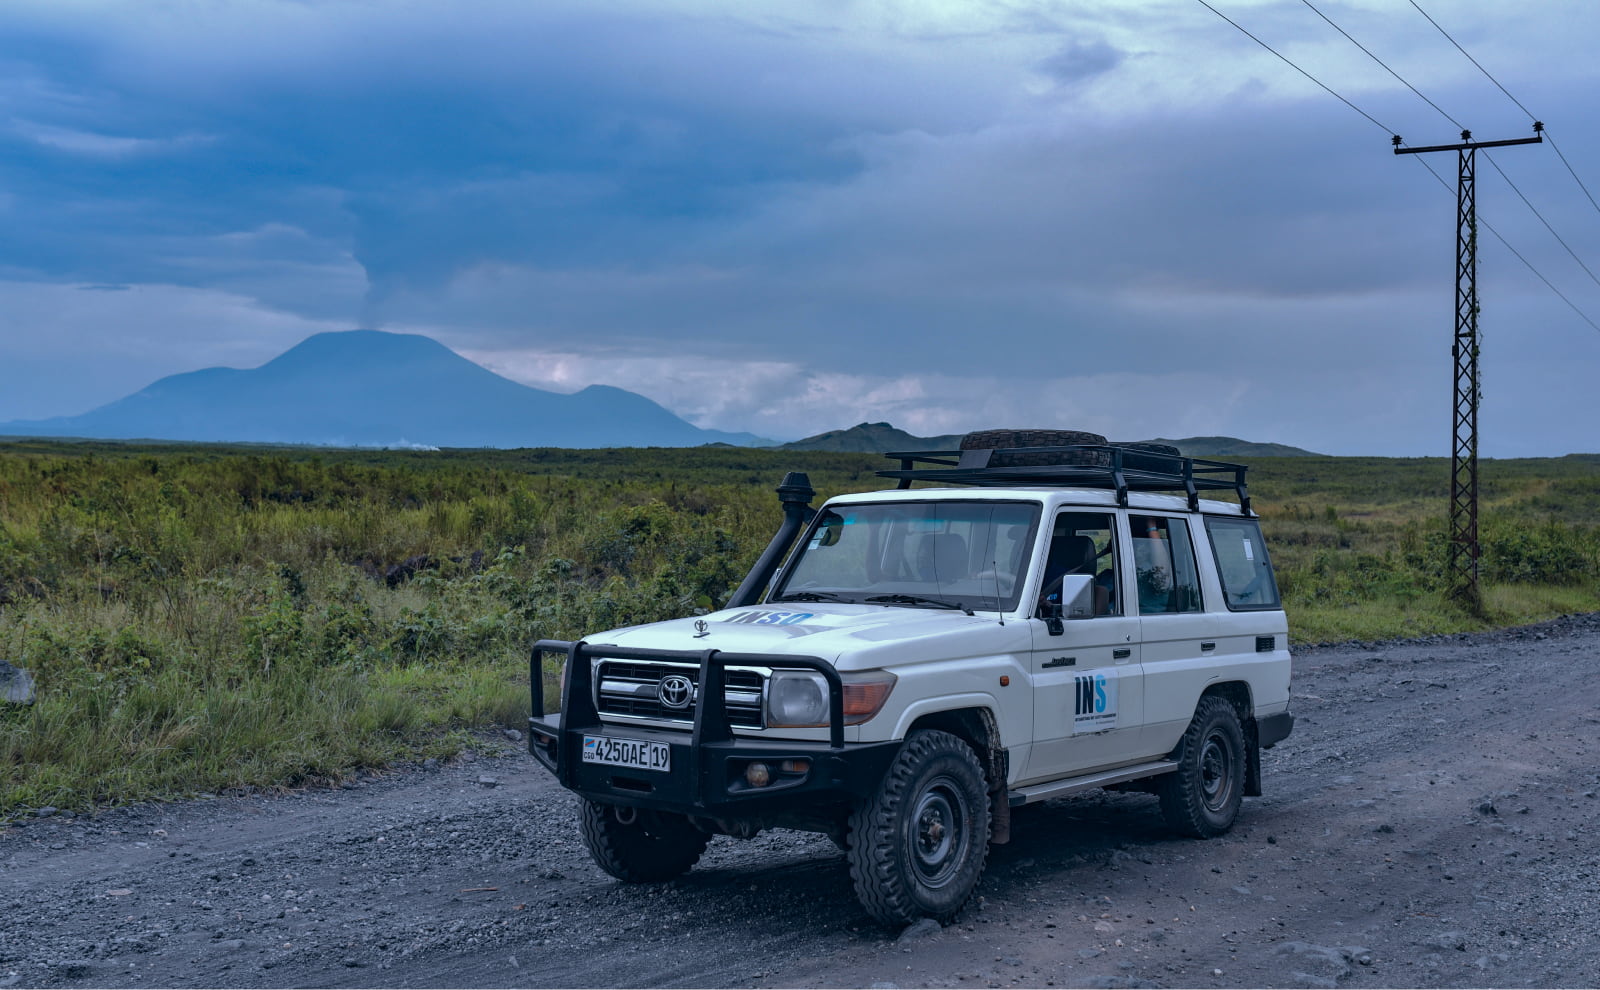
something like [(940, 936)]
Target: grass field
[(202, 617)]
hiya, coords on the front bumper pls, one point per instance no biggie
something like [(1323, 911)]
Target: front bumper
[(708, 764)]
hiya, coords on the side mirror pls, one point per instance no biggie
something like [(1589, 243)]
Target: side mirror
[(1077, 596), (1077, 602)]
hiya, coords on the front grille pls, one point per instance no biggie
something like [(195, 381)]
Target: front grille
[(630, 688)]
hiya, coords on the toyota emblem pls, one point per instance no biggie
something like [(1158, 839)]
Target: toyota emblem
[(675, 691), (701, 630)]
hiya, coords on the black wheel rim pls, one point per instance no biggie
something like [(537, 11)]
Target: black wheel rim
[(938, 832), (1216, 771)]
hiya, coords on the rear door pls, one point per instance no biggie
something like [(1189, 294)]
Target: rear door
[(1179, 637)]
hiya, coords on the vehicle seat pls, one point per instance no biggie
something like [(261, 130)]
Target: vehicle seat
[(1069, 554), (942, 557)]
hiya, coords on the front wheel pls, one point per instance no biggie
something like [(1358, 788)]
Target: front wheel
[(640, 846), (1201, 798), (918, 846)]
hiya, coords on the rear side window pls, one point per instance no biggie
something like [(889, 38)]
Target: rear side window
[(1163, 560), (1242, 563)]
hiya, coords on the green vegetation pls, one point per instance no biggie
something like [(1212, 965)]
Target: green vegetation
[(202, 617)]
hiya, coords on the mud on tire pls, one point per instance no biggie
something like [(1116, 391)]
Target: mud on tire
[(1201, 798), (640, 846), (918, 846)]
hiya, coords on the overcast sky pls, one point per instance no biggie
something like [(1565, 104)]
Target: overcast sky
[(792, 217)]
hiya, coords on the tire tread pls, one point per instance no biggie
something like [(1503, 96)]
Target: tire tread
[(1182, 804), (878, 881), (633, 855)]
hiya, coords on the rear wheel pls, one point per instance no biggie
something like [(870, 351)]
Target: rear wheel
[(917, 848), (1202, 797), (640, 846)]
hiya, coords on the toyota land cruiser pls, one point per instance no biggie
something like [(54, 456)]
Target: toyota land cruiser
[(1054, 616)]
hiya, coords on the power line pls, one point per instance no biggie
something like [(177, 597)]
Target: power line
[(1548, 137), (1568, 164), (1507, 244), (1296, 68), (1330, 91), (1474, 61), (1537, 127), (1542, 220), (1314, 10)]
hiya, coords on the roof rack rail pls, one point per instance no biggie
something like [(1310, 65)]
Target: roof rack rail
[(1109, 466)]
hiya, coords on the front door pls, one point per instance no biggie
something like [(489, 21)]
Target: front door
[(1088, 685)]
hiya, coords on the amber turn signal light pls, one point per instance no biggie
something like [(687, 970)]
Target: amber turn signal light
[(865, 694)]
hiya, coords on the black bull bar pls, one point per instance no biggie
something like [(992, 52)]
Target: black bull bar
[(556, 741)]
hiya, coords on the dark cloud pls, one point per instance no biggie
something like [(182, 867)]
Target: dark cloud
[(885, 200), (1081, 61)]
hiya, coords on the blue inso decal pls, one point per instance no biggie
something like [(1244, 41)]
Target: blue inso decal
[(770, 618)]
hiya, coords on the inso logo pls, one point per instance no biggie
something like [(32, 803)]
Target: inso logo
[(770, 618), (1091, 695)]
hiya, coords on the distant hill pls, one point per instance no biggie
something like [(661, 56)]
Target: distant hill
[(1225, 447), (881, 438), (872, 438), (372, 388)]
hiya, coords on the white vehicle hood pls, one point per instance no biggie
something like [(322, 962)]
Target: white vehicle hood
[(852, 637)]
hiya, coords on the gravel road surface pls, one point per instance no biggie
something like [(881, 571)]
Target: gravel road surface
[(1431, 822)]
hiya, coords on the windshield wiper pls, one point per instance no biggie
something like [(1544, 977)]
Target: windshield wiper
[(898, 599), (814, 596)]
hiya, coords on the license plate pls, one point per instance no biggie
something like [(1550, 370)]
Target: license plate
[(634, 753)]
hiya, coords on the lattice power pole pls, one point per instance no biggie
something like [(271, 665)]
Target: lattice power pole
[(1464, 549)]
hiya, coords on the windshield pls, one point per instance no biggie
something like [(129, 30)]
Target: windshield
[(971, 555)]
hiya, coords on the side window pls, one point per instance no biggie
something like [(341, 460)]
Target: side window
[(1163, 557), (1242, 563), (1083, 543)]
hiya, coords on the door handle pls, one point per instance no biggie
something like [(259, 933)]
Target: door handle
[(1207, 647), (1061, 662), (1121, 653)]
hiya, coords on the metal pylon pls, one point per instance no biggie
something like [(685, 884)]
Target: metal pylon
[(1464, 550)]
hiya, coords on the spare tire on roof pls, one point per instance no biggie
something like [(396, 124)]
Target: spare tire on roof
[(1001, 439)]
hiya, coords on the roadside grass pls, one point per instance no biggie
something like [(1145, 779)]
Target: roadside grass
[(173, 735), (198, 618)]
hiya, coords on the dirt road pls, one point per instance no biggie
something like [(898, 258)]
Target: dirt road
[(1431, 822)]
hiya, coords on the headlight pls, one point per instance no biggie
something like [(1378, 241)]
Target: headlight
[(799, 698), (796, 699)]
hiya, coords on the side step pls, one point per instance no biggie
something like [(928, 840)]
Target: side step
[(1071, 785)]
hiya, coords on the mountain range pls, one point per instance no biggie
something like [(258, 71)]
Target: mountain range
[(373, 388)]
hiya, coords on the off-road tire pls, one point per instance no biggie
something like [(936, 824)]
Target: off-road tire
[(918, 846), (1202, 797), (653, 847), (1000, 439)]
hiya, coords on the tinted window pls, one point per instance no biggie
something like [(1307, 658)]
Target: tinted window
[(1242, 563), (1163, 558)]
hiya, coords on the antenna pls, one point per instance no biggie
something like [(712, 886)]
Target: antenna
[(994, 568), (999, 613)]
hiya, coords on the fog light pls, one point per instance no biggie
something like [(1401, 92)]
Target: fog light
[(757, 775), (795, 766)]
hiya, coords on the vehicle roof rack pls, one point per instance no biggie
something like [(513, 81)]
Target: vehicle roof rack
[(1109, 466)]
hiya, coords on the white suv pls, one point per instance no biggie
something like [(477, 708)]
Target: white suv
[(924, 659)]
